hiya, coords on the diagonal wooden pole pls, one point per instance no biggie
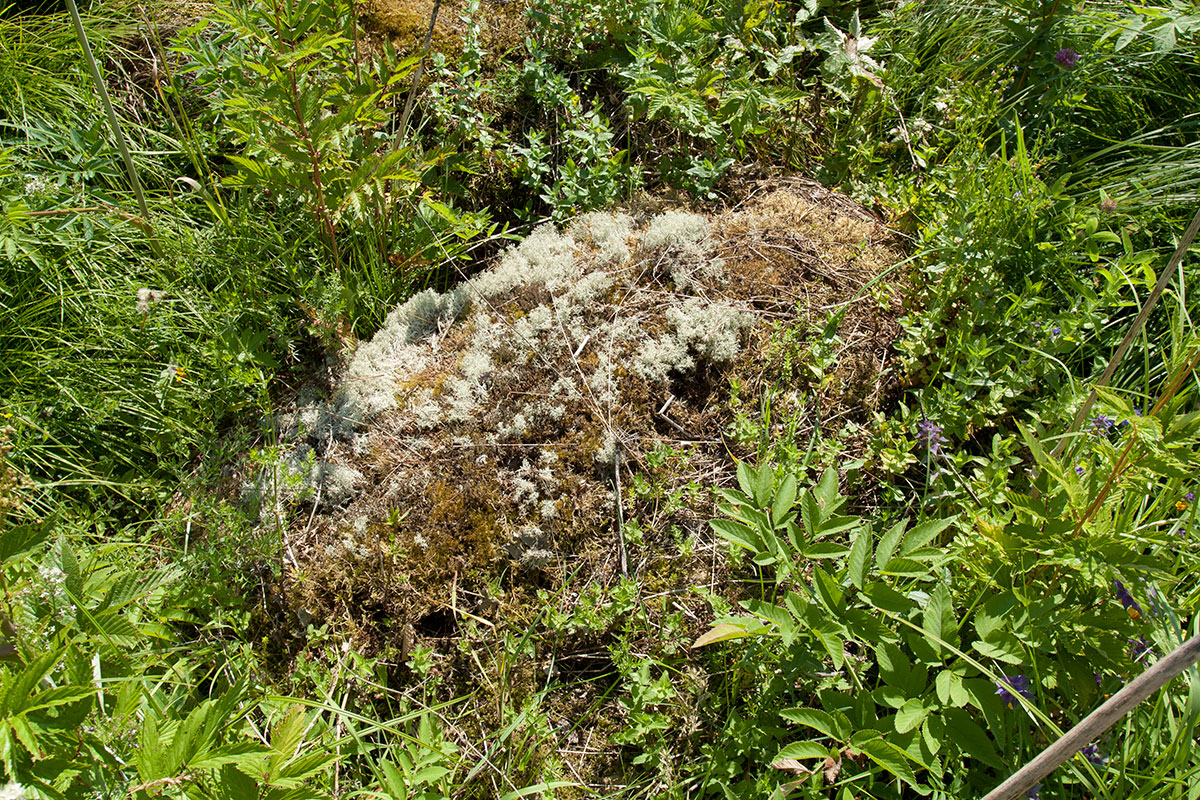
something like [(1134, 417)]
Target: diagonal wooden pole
[(1099, 721), (1164, 280)]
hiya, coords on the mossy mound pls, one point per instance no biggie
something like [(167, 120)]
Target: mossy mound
[(556, 423), (406, 22)]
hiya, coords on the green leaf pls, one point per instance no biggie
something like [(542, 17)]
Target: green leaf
[(826, 491), (939, 620), (825, 550), (810, 513), (738, 534), (950, 689), (889, 542), (886, 598), (891, 758), (1002, 646), (924, 533), (725, 631), (747, 478), (860, 555), (785, 497), (816, 719), (762, 486), (962, 731), (910, 715), (70, 567), (799, 750), (830, 594)]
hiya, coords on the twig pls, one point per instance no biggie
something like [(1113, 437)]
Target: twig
[(1164, 280), (402, 132), (624, 554), (1099, 721)]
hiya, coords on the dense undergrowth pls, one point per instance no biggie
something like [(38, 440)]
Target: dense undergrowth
[(912, 601)]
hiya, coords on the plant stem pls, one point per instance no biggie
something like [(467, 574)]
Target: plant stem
[(113, 123)]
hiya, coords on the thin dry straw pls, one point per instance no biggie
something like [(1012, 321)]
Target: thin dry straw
[(1164, 280), (1100, 720)]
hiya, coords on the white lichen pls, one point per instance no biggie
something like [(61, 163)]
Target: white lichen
[(607, 233), (675, 229)]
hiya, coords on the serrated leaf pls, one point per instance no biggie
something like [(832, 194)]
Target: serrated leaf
[(762, 486), (818, 720), (747, 479), (737, 533), (785, 498), (1002, 646), (810, 514), (939, 620), (825, 550), (860, 555), (825, 491), (910, 715), (798, 750), (889, 542), (923, 534), (830, 594), (971, 739), (891, 758)]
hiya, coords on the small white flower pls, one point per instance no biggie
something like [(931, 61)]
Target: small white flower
[(146, 298), (35, 185), (12, 791)]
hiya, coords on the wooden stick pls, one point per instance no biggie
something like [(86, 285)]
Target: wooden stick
[(1164, 280), (1099, 721)]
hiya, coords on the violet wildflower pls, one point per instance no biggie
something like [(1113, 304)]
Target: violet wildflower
[(1182, 504), (1101, 424), (1092, 754), (1034, 792), (1108, 205), (1190, 496), (1067, 57), (929, 434), (1141, 649), (1055, 332), (1079, 470), (1131, 606), (1009, 686), (1158, 604)]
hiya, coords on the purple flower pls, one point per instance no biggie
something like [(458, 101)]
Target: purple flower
[(1092, 754), (1141, 649), (1158, 604), (1108, 205), (930, 434), (1034, 792), (1190, 496), (1009, 686), (1055, 332), (1067, 57), (1131, 606), (1101, 424), (1079, 470)]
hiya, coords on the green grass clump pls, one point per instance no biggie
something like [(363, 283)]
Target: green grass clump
[(925, 580)]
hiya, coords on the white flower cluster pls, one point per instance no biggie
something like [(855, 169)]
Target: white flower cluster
[(12, 791)]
